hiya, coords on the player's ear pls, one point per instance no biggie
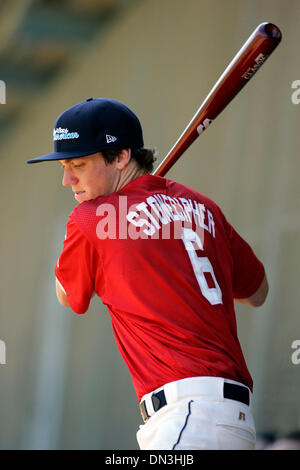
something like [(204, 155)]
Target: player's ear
[(123, 159)]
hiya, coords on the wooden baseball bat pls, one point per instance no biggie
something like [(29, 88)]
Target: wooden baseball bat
[(262, 42)]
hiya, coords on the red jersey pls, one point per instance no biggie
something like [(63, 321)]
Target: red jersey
[(167, 264)]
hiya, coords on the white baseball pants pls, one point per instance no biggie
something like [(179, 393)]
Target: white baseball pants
[(198, 417)]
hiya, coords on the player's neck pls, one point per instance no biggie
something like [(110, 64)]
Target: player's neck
[(131, 172)]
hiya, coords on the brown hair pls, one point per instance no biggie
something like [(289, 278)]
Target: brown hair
[(145, 157)]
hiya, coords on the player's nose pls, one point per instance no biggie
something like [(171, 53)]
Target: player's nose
[(69, 178)]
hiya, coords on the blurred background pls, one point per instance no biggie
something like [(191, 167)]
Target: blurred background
[(63, 383)]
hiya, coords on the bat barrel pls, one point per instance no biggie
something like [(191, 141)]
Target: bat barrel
[(271, 31), (262, 42)]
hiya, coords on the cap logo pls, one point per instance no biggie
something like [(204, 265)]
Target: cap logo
[(61, 134), (110, 138)]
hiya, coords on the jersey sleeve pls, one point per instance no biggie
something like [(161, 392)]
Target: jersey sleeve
[(76, 267), (248, 270)]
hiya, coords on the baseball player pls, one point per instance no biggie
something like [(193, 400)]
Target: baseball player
[(168, 266)]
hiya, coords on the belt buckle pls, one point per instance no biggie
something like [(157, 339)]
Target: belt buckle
[(158, 401), (143, 411)]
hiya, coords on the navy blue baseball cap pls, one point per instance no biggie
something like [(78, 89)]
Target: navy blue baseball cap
[(94, 125)]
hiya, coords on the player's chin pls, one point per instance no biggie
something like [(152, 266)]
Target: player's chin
[(81, 196)]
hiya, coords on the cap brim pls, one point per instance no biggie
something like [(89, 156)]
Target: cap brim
[(61, 156)]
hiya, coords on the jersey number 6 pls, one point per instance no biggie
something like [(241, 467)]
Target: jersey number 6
[(201, 265)]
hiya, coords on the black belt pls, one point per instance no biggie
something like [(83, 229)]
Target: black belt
[(232, 391)]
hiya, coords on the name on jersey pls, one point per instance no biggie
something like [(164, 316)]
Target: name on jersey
[(153, 217), (159, 210)]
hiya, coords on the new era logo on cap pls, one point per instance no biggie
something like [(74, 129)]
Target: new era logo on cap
[(110, 138)]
